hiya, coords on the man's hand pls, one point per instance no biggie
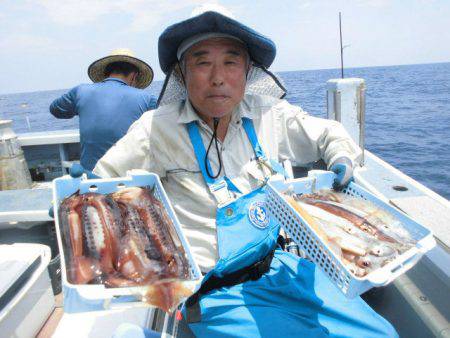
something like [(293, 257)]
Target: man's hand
[(51, 212), (77, 170), (343, 169)]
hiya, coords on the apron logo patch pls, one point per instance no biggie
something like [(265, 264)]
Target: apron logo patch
[(257, 213)]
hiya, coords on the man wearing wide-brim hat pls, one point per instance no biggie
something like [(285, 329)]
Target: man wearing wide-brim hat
[(110, 105), (218, 135)]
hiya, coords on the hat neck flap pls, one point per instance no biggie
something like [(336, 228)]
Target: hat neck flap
[(260, 81)]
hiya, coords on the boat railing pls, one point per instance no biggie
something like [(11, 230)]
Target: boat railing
[(66, 142)]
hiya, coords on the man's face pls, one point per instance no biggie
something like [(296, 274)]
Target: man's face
[(215, 76)]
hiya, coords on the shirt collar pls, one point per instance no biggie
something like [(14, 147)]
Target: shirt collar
[(115, 79), (243, 109), (187, 113)]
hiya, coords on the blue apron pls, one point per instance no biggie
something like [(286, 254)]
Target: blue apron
[(293, 298)]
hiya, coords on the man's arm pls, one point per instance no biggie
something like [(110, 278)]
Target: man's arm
[(151, 102), (64, 106), (305, 139), (133, 151)]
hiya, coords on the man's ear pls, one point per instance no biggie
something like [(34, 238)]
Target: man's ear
[(249, 68), (134, 79)]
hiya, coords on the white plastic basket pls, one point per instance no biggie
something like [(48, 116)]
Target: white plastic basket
[(318, 251), (98, 294)]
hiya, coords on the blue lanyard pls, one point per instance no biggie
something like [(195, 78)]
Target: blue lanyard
[(200, 152), (251, 134)]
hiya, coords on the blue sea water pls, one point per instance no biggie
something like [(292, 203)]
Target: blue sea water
[(407, 114)]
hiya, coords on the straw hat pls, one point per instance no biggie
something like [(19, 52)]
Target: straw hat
[(96, 70)]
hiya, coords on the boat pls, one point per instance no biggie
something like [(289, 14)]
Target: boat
[(416, 303)]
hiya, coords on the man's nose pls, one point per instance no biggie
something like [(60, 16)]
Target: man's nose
[(217, 75)]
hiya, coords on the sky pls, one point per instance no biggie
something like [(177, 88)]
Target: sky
[(49, 44)]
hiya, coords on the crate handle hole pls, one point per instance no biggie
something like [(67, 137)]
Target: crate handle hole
[(121, 186), (400, 188), (394, 270), (93, 188)]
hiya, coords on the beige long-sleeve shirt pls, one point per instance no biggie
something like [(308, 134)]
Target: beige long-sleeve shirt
[(159, 142)]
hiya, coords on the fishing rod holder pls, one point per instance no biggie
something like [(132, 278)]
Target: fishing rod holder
[(346, 103)]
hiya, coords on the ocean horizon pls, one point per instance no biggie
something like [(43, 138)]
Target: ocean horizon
[(276, 72), (407, 113)]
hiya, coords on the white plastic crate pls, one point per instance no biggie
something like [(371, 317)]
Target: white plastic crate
[(318, 251), (95, 295), (25, 288)]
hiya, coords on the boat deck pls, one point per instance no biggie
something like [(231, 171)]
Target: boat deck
[(52, 322), (413, 198), (416, 303), (27, 205)]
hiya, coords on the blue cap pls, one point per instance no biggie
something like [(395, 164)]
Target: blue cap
[(262, 50)]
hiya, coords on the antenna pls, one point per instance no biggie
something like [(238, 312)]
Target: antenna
[(342, 48)]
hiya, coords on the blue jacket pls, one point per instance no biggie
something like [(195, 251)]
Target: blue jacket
[(106, 110)]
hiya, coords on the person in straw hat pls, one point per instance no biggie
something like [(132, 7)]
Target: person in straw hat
[(218, 134), (110, 105)]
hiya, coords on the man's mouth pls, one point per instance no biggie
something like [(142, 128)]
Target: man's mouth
[(218, 97)]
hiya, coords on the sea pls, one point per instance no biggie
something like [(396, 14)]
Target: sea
[(407, 114)]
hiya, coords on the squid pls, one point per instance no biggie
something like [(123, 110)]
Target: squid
[(158, 228), (367, 236), (124, 239), (139, 259), (81, 269), (359, 221)]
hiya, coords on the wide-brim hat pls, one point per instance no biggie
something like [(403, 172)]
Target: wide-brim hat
[(261, 49), (96, 70)]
